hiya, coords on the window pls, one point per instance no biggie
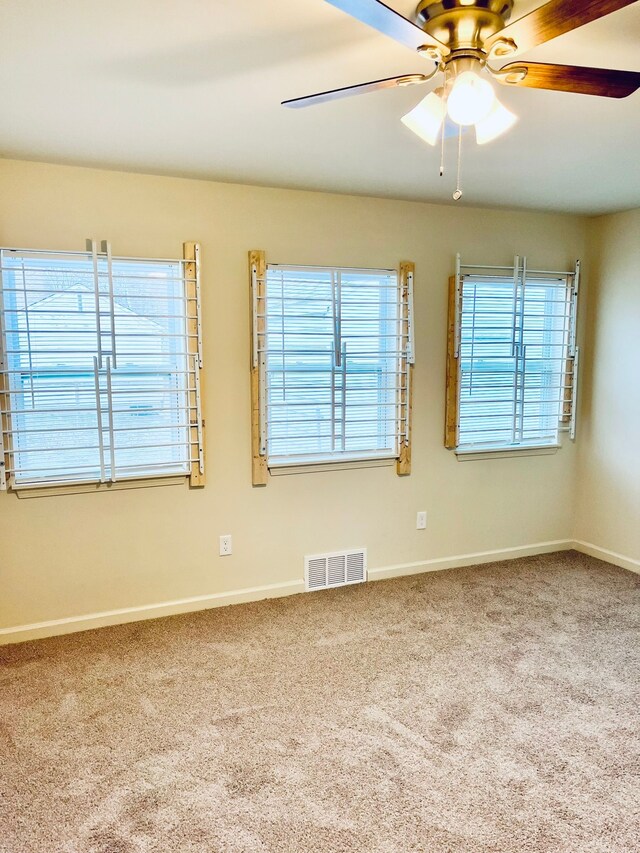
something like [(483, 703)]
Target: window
[(100, 367), (512, 366), (332, 354)]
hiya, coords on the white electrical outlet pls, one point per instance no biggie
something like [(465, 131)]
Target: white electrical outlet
[(226, 545), (421, 520)]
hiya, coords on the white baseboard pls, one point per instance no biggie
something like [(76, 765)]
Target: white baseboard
[(608, 556), (474, 559), (71, 624)]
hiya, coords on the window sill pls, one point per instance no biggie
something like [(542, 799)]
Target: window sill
[(507, 453), (299, 467), (27, 492)]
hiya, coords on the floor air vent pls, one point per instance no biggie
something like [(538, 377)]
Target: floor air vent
[(336, 569)]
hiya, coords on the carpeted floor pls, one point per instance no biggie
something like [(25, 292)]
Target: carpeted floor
[(485, 709)]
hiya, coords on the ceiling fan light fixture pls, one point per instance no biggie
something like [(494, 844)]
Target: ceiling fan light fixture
[(499, 121), (426, 119), (471, 99)]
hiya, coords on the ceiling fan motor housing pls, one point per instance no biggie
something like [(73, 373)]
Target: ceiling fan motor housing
[(460, 36), (461, 25)]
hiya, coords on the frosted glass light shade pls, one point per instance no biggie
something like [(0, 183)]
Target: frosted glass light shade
[(471, 99), (425, 120), (499, 121)]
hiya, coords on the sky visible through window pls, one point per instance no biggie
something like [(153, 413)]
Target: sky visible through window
[(513, 351), (97, 381), (334, 344)]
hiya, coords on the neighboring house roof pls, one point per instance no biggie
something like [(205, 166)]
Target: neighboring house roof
[(71, 336), (54, 302)]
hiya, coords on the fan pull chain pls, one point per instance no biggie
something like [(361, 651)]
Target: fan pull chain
[(442, 151), (458, 193)]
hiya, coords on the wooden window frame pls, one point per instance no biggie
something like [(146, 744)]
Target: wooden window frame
[(197, 423), (257, 289), (452, 407), (197, 420), (567, 420)]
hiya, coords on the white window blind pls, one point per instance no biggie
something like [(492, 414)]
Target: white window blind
[(333, 347), (100, 368), (517, 353)]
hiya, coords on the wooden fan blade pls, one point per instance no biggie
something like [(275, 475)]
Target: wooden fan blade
[(389, 22), (553, 19), (361, 89), (570, 78)]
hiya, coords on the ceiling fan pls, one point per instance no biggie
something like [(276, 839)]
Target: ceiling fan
[(462, 38)]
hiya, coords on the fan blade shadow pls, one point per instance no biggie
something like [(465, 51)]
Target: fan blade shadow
[(204, 62)]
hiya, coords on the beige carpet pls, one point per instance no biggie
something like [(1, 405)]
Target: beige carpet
[(485, 709)]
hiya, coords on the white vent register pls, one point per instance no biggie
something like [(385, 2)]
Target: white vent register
[(339, 568)]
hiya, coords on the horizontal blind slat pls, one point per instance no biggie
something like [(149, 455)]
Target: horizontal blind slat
[(56, 316), (514, 333), (332, 349)]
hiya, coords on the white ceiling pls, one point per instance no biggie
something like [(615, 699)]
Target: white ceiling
[(193, 87)]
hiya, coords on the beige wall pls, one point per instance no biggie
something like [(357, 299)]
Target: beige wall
[(608, 512), (71, 555)]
